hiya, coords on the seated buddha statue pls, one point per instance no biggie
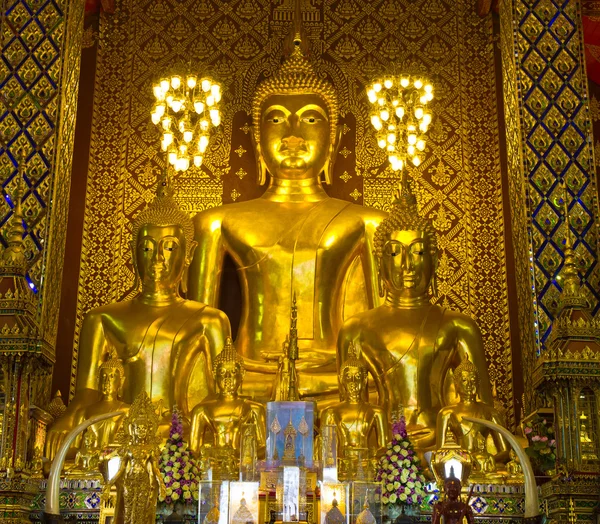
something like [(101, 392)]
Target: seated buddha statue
[(217, 421), (408, 343), (87, 458), (157, 335), (356, 420), (452, 510), (112, 379), (467, 434), (294, 238)]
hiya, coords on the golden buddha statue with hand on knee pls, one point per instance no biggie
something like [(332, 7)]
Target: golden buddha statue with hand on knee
[(217, 422), (294, 238), (360, 426), (408, 343), (157, 335), (110, 386), (468, 434)]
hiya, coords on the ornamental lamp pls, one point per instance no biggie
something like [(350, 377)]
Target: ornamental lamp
[(400, 117), (186, 112), (451, 460)]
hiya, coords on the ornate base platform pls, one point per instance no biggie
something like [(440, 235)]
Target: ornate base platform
[(573, 499)]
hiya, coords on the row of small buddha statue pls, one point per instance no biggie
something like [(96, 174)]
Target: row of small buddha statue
[(362, 277)]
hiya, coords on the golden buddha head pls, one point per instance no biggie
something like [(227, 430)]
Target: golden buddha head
[(405, 244), (295, 114), (228, 369), (353, 374), (466, 378), (162, 241), (112, 375)]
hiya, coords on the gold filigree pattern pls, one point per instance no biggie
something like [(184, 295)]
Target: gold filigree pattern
[(459, 184), (547, 121)]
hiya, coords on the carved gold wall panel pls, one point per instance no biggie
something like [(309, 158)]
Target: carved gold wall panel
[(459, 184), (548, 141), (39, 75)]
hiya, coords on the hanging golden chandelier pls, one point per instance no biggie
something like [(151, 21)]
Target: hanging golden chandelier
[(401, 117), (186, 109)]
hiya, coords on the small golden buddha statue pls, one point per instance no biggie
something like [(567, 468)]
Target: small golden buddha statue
[(219, 421), (514, 469), (452, 510), (588, 449), (138, 479), (111, 377), (408, 343), (157, 335), (466, 379), (359, 424), (87, 458), (294, 237)]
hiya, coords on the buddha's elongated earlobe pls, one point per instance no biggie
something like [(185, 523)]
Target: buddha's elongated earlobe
[(261, 169), (380, 281), (433, 284), (333, 151)]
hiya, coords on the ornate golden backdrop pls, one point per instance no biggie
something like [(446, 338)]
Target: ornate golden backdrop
[(458, 185)]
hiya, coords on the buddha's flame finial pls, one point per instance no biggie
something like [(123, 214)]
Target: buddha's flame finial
[(14, 254)]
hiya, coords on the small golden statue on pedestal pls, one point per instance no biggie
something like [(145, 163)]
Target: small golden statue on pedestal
[(466, 380), (289, 442), (86, 459), (111, 380), (514, 469), (409, 344), (224, 417), (355, 419), (138, 479)]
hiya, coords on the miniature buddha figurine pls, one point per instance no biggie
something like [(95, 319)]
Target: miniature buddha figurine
[(110, 385), (408, 343), (466, 380), (158, 335), (355, 419), (87, 458), (219, 421), (138, 479), (452, 510), (514, 469), (294, 238), (112, 378)]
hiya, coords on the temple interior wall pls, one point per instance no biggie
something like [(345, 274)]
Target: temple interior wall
[(459, 186)]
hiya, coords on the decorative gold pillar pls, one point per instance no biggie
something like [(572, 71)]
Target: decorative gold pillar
[(39, 73), (548, 141)]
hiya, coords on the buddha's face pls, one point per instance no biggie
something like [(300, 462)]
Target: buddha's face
[(407, 264), (160, 255), (295, 136), (353, 381), (228, 376), (453, 489), (466, 384), (140, 430), (110, 381)]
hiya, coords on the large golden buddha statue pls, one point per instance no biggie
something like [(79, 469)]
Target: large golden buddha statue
[(294, 238), (157, 335), (408, 343)]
